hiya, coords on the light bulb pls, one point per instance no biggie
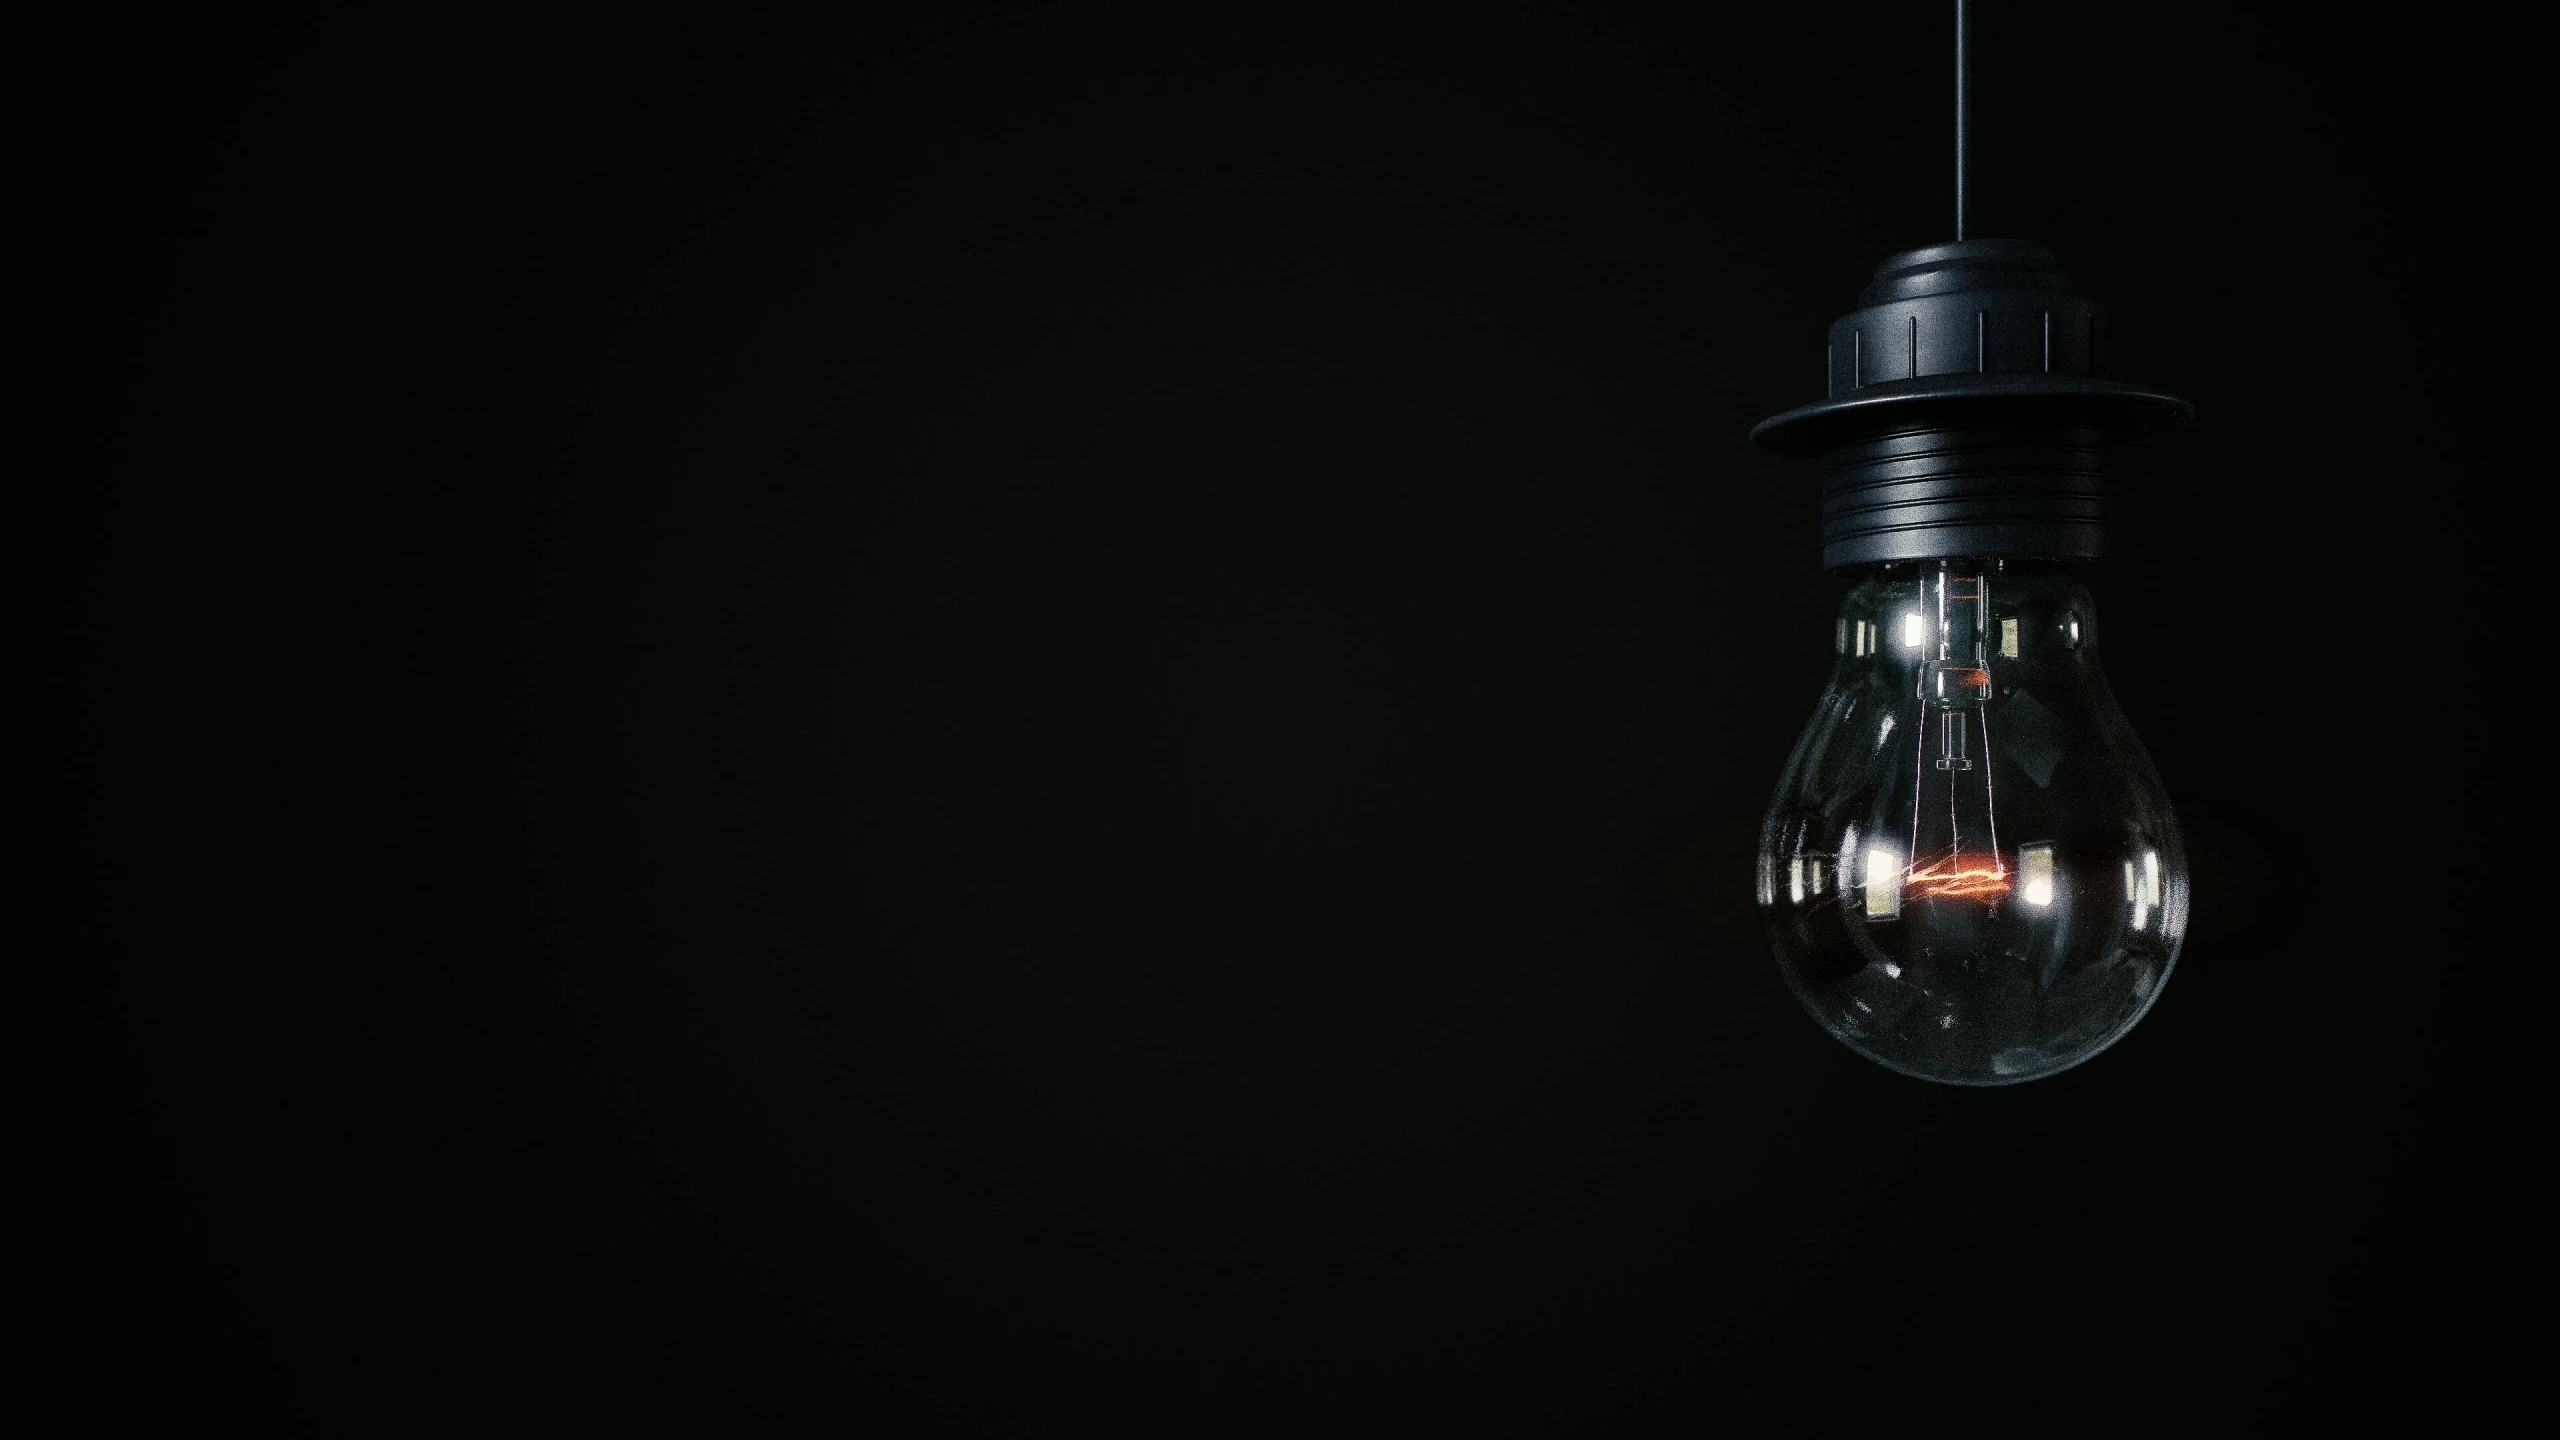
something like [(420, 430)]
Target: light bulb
[(1970, 872)]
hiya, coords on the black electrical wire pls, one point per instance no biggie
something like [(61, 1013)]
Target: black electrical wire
[(1964, 112)]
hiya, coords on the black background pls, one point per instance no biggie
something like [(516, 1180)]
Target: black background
[(1015, 723)]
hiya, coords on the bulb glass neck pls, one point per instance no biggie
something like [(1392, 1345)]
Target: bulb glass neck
[(1968, 616)]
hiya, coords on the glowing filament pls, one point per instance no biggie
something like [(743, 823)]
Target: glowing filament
[(1956, 880)]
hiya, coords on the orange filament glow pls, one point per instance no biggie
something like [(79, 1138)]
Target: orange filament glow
[(1953, 879)]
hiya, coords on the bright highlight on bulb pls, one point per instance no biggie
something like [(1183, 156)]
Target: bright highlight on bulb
[(1953, 949), (1884, 883), (2142, 887), (2035, 869)]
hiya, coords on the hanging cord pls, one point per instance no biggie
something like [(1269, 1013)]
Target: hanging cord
[(1964, 113)]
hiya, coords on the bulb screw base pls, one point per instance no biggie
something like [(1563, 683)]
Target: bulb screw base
[(1969, 412)]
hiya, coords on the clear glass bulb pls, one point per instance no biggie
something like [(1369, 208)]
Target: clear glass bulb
[(1970, 872)]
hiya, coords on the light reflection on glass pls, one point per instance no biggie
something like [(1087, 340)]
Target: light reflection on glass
[(2142, 887), (2035, 874), (1884, 882)]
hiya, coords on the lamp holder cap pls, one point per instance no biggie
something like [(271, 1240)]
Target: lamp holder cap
[(1988, 340)]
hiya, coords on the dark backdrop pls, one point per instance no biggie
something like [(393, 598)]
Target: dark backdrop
[(1012, 723)]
